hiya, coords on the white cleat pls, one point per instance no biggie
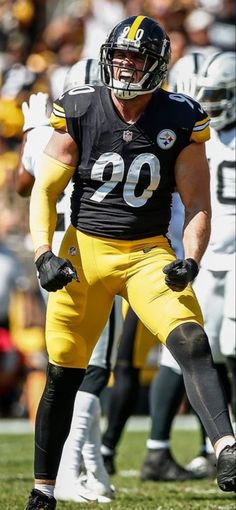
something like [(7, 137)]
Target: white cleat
[(76, 492), (100, 485)]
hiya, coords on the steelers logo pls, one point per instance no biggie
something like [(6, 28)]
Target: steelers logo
[(166, 139)]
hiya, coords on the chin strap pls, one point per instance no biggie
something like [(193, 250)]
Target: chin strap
[(125, 94)]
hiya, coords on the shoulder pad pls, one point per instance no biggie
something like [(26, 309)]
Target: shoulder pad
[(70, 105), (197, 119)]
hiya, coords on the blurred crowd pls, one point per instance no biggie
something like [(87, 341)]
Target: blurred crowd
[(39, 41)]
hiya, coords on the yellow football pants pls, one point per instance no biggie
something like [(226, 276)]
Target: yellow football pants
[(77, 314)]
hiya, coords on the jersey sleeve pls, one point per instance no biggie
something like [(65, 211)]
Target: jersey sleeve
[(70, 107), (201, 128), (58, 116)]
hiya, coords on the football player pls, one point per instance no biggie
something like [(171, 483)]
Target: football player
[(126, 145), (215, 284), (213, 83), (85, 426)]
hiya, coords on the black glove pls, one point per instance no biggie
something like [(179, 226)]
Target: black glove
[(54, 272), (179, 273)]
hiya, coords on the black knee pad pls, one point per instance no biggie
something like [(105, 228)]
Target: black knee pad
[(62, 381), (188, 341)]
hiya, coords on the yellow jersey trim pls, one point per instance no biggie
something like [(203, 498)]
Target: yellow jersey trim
[(58, 108), (201, 135), (202, 122), (58, 122)]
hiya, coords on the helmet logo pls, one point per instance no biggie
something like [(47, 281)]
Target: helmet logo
[(166, 139), (124, 39), (125, 32), (127, 136)]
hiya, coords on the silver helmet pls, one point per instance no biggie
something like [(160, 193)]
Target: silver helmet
[(84, 72), (215, 88), (182, 77)]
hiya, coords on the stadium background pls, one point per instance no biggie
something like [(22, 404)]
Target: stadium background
[(39, 41)]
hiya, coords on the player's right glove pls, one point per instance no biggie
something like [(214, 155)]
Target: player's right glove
[(54, 272), (180, 273), (35, 112)]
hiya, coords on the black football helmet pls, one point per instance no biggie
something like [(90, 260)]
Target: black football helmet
[(142, 35)]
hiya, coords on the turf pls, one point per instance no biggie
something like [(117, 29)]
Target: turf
[(16, 459)]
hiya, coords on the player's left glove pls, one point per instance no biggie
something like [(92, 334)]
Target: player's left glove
[(179, 273)]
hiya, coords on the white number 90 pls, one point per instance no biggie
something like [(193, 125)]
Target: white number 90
[(132, 178)]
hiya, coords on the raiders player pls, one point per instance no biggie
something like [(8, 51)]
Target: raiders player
[(215, 284), (123, 179), (213, 83)]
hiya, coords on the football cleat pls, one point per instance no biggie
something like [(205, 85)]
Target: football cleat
[(109, 463), (39, 501), (99, 483), (203, 466), (226, 469), (76, 492), (159, 465)]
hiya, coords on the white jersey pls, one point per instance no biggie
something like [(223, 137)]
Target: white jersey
[(220, 252), (37, 140), (215, 283)]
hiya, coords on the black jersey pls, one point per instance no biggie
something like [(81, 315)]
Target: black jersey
[(125, 175)]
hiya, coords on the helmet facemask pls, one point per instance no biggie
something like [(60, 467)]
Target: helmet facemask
[(153, 71), (219, 103), (216, 89)]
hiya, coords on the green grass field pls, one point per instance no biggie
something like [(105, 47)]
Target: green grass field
[(16, 459)]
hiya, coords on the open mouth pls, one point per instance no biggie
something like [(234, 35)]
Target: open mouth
[(126, 76)]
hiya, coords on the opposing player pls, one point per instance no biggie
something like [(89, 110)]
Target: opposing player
[(214, 85), (215, 284), (85, 429), (116, 245)]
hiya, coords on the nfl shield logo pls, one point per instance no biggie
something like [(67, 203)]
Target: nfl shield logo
[(127, 136)]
